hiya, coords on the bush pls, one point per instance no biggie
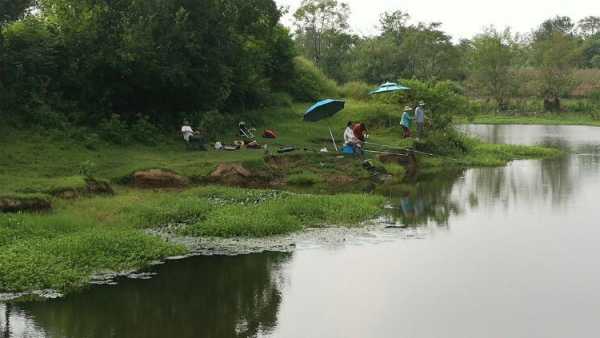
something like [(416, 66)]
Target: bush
[(443, 99), (356, 90), (143, 131), (114, 130), (309, 83), (445, 143), (280, 100)]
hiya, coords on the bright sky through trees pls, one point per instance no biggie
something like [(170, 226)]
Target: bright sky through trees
[(464, 18)]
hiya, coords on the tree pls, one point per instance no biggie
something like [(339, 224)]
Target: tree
[(158, 58), (429, 53), (394, 23), (11, 10), (559, 24), (556, 58), (589, 26), (317, 21), (492, 56)]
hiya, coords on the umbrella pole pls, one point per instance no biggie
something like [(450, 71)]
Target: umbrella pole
[(333, 140)]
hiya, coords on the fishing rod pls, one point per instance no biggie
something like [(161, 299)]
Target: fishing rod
[(399, 148), (383, 152)]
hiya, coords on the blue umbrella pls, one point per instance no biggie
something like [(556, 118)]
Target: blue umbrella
[(324, 109), (389, 87)]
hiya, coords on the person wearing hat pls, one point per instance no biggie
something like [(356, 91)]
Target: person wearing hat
[(420, 117), (406, 121)]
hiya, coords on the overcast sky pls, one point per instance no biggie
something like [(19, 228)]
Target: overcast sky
[(464, 18)]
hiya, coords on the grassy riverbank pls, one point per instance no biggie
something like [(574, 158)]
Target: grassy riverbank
[(86, 234), (572, 119), (62, 249)]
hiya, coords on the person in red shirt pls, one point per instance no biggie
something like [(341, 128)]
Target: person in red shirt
[(360, 132)]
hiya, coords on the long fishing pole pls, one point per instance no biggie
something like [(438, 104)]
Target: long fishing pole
[(399, 148), (383, 152)]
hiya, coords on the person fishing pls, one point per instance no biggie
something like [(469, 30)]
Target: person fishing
[(406, 122), (349, 138), (359, 132), (194, 138)]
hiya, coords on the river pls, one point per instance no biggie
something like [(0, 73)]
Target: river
[(491, 252)]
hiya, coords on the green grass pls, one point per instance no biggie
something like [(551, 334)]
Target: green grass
[(287, 214), (62, 249), (490, 155), (542, 119), (396, 170), (305, 178)]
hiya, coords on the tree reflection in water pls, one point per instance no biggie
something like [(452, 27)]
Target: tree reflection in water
[(428, 201), (5, 320), (197, 297)]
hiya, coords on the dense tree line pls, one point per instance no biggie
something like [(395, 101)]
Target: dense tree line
[(164, 59), (103, 62), (498, 65)]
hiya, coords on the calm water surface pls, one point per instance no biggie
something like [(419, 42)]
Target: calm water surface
[(496, 252)]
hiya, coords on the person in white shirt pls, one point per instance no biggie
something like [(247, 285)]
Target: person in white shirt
[(187, 131), (194, 139), (349, 138)]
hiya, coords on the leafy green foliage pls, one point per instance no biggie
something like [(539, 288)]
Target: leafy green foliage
[(356, 90), (310, 83), (492, 57), (158, 58)]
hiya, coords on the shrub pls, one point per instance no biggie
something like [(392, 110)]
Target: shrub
[(443, 99), (280, 100), (114, 130), (356, 90), (444, 143), (143, 131), (310, 83)]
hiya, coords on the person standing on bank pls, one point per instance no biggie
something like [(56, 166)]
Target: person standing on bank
[(420, 117), (406, 121)]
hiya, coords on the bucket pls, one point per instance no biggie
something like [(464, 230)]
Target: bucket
[(348, 150)]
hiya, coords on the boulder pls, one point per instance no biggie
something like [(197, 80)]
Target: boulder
[(233, 175), (157, 178), (230, 169), (24, 203)]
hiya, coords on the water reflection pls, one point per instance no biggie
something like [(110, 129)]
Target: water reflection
[(436, 198), (199, 297), (427, 201)]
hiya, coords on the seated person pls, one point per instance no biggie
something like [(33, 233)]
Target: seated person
[(358, 137), (191, 137), (360, 133), (349, 138)]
